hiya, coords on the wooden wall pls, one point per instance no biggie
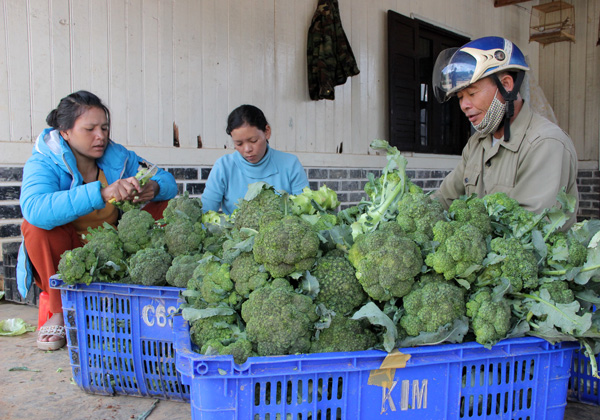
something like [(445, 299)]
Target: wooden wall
[(569, 74), (190, 62)]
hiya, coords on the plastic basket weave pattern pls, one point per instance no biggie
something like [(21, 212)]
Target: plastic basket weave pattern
[(524, 378), (583, 386), (120, 339)]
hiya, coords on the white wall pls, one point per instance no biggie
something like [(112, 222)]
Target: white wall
[(190, 62)]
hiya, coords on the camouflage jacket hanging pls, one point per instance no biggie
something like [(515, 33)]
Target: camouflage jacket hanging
[(330, 57)]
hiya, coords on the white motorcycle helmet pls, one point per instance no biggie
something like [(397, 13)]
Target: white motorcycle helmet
[(457, 68)]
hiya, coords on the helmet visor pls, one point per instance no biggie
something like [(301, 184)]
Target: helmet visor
[(452, 72)]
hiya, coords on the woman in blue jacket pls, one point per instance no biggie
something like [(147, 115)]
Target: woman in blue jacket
[(252, 161), (72, 174)]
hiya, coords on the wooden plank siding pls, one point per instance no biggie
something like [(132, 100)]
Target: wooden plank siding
[(157, 63)]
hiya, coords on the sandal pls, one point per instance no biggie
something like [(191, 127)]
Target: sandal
[(56, 330)]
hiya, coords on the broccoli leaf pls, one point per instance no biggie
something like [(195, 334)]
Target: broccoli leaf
[(563, 316), (449, 333), (193, 314), (377, 317)]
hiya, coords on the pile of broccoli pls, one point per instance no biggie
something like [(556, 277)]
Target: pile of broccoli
[(289, 274)]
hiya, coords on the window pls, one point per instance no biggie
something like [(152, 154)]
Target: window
[(418, 123)]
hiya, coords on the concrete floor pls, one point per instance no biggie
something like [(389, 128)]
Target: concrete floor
[(47, 392)]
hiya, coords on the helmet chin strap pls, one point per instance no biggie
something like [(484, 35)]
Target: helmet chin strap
[(509, 98)]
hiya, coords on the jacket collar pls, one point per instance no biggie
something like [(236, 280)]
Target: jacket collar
[(518, 129), (52, 145)]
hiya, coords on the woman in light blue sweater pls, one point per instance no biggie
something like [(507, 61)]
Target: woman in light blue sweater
[(252, 161)]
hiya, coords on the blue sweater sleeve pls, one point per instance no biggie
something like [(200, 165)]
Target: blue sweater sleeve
[(214, 190), (298, 178)]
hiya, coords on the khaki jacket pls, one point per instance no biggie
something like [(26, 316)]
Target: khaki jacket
[(532, 167)]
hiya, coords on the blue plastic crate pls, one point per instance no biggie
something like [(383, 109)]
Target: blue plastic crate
[(523, 378), (583, 386), (120, 339)]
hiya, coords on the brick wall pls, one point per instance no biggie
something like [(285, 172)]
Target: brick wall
[(348, 183)]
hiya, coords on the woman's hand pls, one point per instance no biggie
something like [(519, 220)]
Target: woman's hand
[(121, 190), (148, 192)]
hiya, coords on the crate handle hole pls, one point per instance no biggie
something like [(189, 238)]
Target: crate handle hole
[(201, 368)]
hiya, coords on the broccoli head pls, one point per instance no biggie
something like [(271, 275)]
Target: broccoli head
[(559, 291), (509, 213), (339, 289), (386, 261), (75, 266), (432, 305), (105, 244), (134, 230), (490, 320), (472, 211), (220, 328), (261, 202), (344, 334), (183, 207), (182, 269), (149, 266), (461, 247), (211, 278), (286, 246), (417, 214), (279, 320), (240, 349), (182, 236), (565, 252), (518, 265), (247, 274)]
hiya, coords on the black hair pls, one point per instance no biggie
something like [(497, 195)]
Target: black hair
[(71, 107), (246, 114)]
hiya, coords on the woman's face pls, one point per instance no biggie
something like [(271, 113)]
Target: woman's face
[(89, 136), (251, 142)]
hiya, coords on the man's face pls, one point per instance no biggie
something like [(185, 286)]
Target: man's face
[(476, 99)]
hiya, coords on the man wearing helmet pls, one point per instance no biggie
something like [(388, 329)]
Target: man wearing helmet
[(513, 149)]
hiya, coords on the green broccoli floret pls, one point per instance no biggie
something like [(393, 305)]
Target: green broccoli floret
[(279, 321), (461, 248), (518, 265), (240, 349), (75, 266), (105, 244), (490, 320), (211, 278), (432, 305), (149, 267), (386, 261), (471, 211), (182, 270), (339, 289), (261, 202), (247, 274), (182, 236), (286, 246), (417, 214), (559, 291), (134, 230), (344, 334), (183, 207)]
